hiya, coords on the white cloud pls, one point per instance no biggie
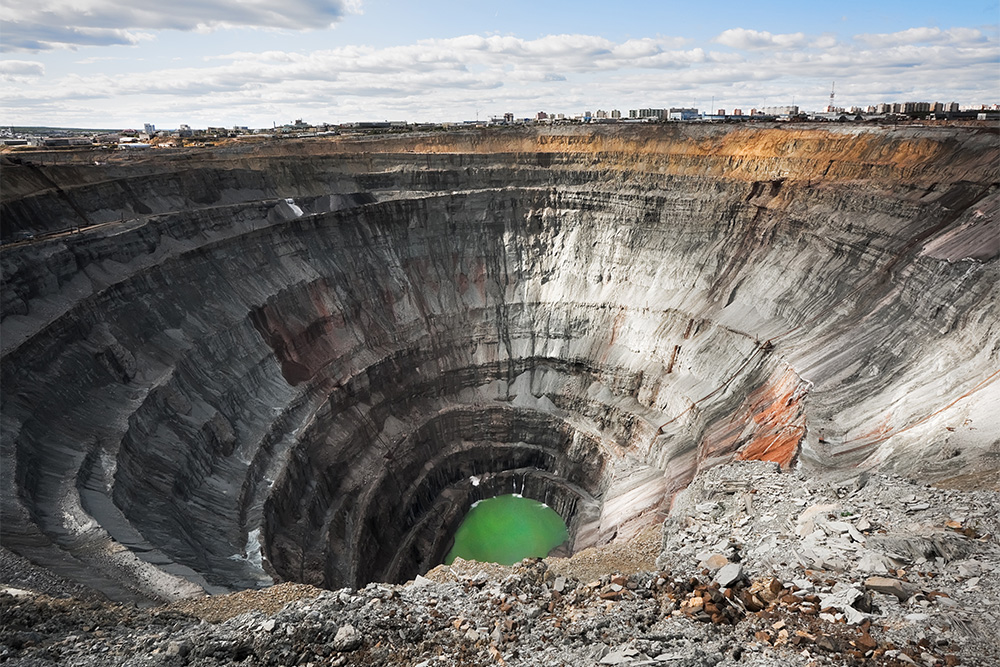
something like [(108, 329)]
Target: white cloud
[(553, 55), (956, 36), (24, 37), (20, 70), (825, 41), (29, 25), (741, 38), (91, 60)]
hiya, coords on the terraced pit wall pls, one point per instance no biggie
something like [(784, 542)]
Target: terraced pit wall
[(305, 360)]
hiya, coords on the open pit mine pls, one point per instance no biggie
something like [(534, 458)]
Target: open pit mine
[(303, 361)]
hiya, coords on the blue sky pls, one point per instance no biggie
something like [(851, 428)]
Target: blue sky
[(112, 63)]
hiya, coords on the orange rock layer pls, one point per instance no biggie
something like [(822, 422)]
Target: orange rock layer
[(768, 426)]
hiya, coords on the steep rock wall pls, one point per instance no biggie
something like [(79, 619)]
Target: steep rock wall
[(307, 359)]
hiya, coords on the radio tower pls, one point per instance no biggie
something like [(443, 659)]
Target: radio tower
[(831, 108)]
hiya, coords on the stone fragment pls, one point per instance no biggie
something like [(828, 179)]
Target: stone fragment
[(861, 482), (692, 605), (559, 585), (803, 585), (969, 568), (838, 526), (805, 523), (181, 648), (714, 562), (621, 656), (599, 651), (842, 599), (706, 508), (900, 656), (891, 586), (855, 534), (268, 625), (347, 639), (872, 562), (866, 642), (751, 602), (831, 644), (729, 574)]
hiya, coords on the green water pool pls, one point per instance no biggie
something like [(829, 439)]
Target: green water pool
[(507, 529)]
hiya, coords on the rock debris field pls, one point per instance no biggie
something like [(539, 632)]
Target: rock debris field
[(758, 567)]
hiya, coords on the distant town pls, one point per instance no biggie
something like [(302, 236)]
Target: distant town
[(151, 137)]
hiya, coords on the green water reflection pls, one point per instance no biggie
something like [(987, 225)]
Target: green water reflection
[(507, 529)]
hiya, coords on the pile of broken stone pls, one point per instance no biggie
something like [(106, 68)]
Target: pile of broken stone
[(759, 567), (868, 566)]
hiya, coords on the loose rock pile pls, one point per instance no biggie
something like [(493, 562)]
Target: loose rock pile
[(864, 567), (758, 568)]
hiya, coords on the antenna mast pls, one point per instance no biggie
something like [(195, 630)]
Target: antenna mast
[(833, 87)]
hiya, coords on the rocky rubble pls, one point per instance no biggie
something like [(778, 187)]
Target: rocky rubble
[(889, 566), (758, 567)]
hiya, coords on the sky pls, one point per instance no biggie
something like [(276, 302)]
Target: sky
[(118, 64)]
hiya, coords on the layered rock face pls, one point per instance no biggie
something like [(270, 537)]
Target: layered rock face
[(305, 360)]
